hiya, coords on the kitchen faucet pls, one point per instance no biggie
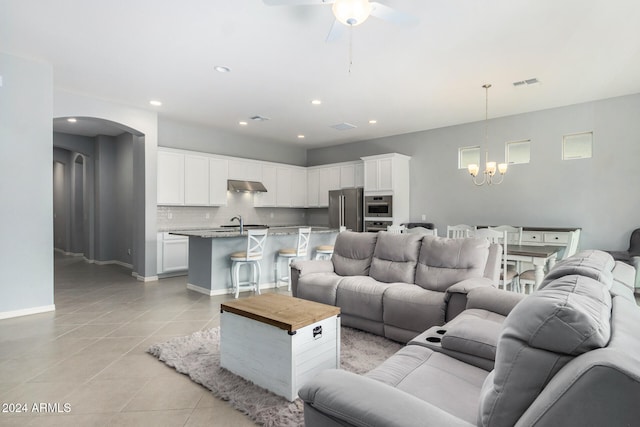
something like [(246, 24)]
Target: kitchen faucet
[(241, 221)]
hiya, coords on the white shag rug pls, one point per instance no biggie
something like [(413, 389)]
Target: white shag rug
[(198, 356)]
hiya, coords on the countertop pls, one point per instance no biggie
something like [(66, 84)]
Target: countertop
[(235, 232)]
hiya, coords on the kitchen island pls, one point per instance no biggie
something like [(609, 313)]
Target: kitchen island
[(209, 250)]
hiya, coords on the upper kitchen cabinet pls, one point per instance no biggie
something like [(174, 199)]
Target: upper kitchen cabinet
[(245, 170), (386, 173), (352, 175), (298, 187), (170, 178), (313, 186), (270, 183), (218, 172), (196, 180), (187, 178)]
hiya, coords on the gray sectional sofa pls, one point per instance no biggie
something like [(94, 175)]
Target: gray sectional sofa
[(397, 285), (566, 355)]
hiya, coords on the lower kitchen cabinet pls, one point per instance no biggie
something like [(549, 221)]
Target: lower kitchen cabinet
[(173, 253)]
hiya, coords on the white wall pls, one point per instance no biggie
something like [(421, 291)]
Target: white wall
[(598, 194), (26, 186)]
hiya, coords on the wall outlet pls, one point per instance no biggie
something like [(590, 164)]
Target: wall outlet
[(270, 214), (424, 217), (170, 215), (207, 216), (128, 251)]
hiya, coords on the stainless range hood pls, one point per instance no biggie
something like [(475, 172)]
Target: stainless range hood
[(246, 186)]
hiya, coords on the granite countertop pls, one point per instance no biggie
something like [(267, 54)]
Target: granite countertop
[(235, 232)]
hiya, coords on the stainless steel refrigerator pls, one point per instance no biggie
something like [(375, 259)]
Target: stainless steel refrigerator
[(345, 209)]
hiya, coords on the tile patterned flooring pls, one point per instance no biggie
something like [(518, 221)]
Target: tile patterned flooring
[(91, 353)]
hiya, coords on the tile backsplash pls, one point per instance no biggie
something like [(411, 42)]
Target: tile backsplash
[(194, 217)]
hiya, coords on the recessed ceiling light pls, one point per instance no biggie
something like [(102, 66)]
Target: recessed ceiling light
[(316, 102), (243, 123), (373, 122), (72, 120), (300, 136), (222, 69), (155, 103)]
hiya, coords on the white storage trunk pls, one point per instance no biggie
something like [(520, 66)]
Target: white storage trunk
[(274, 358)]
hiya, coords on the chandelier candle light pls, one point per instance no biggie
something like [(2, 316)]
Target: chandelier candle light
[(490, 167)]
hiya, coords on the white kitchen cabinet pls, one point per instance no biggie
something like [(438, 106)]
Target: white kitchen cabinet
[(388, 174), (329, 180), (170, 178), (196, 180), (269, 179), (173, 253), (283, 194), (359, 174), (218, 172), (313, 186), (298, 188), (245, 170), (347, 176)]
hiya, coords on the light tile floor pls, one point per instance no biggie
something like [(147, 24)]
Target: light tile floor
[(91, 353)]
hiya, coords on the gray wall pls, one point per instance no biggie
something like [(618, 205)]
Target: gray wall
[(107, 232), (188, 136), (598, 194), (26, 183)]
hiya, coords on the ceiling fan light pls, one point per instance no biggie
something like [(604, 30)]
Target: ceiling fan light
[(351, 12)]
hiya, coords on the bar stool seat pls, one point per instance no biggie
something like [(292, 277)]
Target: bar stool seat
[(324, 252), (292, 253), (251, 257)]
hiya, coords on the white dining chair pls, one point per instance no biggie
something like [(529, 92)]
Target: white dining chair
[(507, 276), (460, 231), (527, 278), (256, 240), (422, 230), (514, 237), (395, 229)]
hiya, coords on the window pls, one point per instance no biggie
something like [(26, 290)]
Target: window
[(467, 156), (577, 146), (518, 152)]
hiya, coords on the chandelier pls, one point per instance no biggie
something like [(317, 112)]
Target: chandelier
[(490, 168)]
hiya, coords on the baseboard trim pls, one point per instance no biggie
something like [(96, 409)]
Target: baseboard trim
[(144, 278), (214, 292), (27, 311), (114, 261)]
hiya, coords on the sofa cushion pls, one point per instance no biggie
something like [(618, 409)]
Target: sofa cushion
[(319, 287), (443, 381), (443, 262), (591, 263), (395, 257), (546, 330), (352, 253), (361, 296), (412, 307)]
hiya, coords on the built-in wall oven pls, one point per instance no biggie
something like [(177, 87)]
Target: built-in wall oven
[(378, 206), (375, 226)]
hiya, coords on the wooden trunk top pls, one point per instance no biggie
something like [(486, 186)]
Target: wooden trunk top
[(281, 311)]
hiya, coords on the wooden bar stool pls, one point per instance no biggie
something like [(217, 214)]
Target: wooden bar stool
[(293, 253), (252, 256)]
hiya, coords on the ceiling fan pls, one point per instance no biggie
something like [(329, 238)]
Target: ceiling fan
[(351, 13)]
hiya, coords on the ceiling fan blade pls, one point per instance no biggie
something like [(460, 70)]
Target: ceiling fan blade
[(295, 2), (387, 13), (336, 32)]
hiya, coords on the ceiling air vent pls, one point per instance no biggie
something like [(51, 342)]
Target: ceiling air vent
[(343, 126), (527, 82)]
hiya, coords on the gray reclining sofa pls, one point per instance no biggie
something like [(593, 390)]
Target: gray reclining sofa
[(397, 285), (566, 355)]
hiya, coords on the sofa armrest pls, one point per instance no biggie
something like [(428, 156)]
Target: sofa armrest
[(338, 395), (495, 300), (301, 267), (456, 295), (635, 260)]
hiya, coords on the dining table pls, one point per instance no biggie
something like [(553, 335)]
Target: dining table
[(539, 256)]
